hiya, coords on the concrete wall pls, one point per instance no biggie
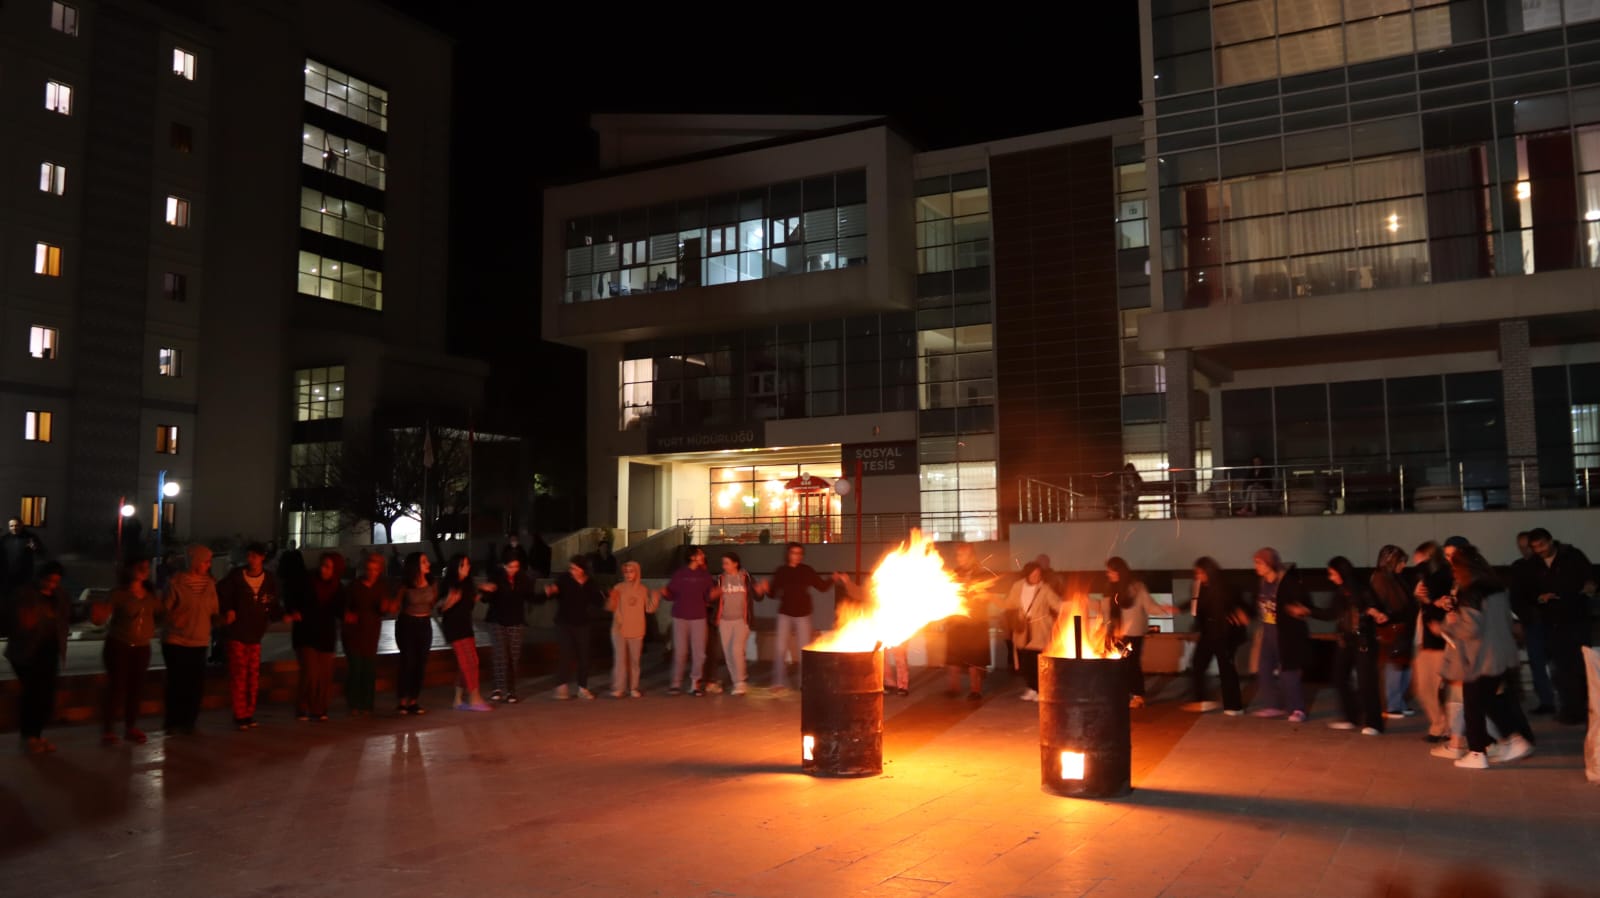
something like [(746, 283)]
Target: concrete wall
[(1308, 541)]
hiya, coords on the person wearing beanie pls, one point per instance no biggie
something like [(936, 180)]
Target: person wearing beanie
[(1283, 608)]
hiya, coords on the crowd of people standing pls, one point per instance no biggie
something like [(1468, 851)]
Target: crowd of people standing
[(1437, 628)]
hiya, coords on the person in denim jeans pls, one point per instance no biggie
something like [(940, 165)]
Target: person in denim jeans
[(792, 584), (1285, 640)]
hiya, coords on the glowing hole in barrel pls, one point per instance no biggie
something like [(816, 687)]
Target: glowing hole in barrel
[(808, 746), (1072, 765)]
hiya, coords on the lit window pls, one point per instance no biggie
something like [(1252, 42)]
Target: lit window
[(36, 427), (47, 260), (181, 137), (52, 178), (340, 281), (166, 509), (167, 439), (175, 286), (337, 92), (177, 212), (314, 529), (319, 393), (32, 512), (341, 156), (64, 18), (169, 362), (337, 217), (183, 63), (43, 342), (58, 97), (638, 391)]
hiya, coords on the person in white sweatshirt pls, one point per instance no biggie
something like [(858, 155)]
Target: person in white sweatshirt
[(1126, 611)]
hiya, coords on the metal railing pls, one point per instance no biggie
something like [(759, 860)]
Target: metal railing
[(1348, 488), (875, 527)]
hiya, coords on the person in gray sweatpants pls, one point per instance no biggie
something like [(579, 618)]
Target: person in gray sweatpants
[(735, 596)]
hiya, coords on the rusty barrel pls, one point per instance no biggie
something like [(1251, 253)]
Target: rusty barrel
[(841, 713), (1085, 742)]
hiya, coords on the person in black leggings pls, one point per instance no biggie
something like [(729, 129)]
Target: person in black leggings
[(413, 632)]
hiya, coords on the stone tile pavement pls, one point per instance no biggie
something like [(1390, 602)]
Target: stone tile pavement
[(702, 797)]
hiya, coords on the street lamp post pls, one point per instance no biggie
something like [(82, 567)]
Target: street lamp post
[(165, 489)]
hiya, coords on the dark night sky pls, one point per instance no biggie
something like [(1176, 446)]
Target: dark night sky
[(525, 90)]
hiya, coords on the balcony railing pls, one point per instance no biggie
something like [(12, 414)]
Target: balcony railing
[(875, 527), (1249, 491)]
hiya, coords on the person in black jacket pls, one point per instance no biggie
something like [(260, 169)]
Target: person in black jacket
[(1523, 584), (1357, 615), (317, 615), (1285, 640), (1397, 635), (1566, 582), (509, 591), (249, 602), (575, 593), (1432, 592), (1220, 619), (42, 615)]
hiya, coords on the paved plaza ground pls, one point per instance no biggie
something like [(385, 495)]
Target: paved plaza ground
[(703, 797)]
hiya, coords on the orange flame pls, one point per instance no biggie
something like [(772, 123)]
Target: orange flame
[(909, 589), (1096, 642)]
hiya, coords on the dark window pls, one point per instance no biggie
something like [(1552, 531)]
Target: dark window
[(1246, 425), (175, 286), (1416, 429), (182, 137), (1301, 419), (1355, 417)]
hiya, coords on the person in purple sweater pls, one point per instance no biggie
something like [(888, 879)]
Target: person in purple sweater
[(690, 591)]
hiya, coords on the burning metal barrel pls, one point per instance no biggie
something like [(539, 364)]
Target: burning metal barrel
[(841, 713), (1085, 743)]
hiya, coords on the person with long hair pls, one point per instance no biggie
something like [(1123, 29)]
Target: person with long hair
[(1126, 610), (457, 596), (1221, 619), (368, 600), (1396, 635), (1483, 650), (509, 591), (734, 599), (1356, 615), (689, 591), (1432, 593), (576, 594), (967, 634), (130, 613), (413, 632), (1032, 607), (315, 636), (1285, 639), (37, 647)]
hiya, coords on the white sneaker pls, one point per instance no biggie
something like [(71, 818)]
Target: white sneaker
[(1371, 731), (1341, 725), (740, 689), (1028, 695), (1448, 753), (714, 687), (1475, 760), (1202, 707), (617, 693), (1233, 712), (562, 693), (635, 694), (1512, 749), (584, 693)]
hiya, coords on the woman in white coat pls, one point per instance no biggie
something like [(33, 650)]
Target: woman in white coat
[(1031, 609)]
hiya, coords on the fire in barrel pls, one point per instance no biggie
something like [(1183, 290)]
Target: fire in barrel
[(841, 705), (1085, 737)]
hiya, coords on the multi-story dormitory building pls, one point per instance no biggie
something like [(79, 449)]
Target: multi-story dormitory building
[(222, 256)]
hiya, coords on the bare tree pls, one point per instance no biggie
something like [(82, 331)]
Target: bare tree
[(390, 480)]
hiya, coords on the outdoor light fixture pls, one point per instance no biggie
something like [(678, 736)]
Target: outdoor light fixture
[(808, 747), (170, 489), (1085, 735), (129, 511), (1524, 190)]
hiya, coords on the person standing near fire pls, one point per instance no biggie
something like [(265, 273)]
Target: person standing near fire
[(792, 584), (966, 635), (1031, 609), (1126, 611)]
